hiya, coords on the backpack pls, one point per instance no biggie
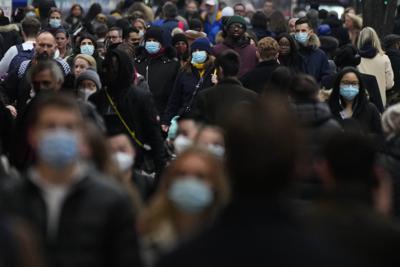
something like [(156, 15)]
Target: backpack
[(20, 57)]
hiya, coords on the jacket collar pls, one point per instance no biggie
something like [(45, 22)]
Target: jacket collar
[(234, 81)]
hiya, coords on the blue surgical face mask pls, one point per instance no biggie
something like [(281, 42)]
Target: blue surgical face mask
[(87, 49), (58, 148), (349, 92), (301, 37), (55, 23), (199, 57), (191, 195), (30, 14), (152, 47)]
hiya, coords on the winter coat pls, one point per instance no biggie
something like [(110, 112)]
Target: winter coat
[(160, 73), (11, 36), (257, 78), (212, 29), (214, 105), (370, 84), (380, 67), (394, 56), (317, 121), (96, 226), (337, 30), (314, 62), (246, 51), (364, 113), (390, 159), (185, 87)]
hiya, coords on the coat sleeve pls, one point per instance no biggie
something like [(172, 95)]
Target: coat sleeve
[(389, 75), (325, 69), (174, 101), (122, 241)]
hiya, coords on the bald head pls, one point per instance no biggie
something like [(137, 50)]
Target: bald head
[(45, 45)]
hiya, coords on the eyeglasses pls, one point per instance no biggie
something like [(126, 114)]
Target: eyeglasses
[(236, 25), (353, 83)]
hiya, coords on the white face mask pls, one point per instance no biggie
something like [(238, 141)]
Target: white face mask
[(124, 161), (181, 143), (216, 150), (85, 93)]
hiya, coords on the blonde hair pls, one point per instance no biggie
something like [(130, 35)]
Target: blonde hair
[(88, 59), (268, 47), (368, 34), (160, 208), (357, 20)]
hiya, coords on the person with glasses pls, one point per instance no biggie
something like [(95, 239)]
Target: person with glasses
[(235, 28), (349, 103)]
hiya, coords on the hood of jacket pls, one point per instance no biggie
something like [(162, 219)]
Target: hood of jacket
[(311, 113), (125, 76)]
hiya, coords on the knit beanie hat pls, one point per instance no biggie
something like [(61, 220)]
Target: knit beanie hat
[(156, 33), (179, 37), (91, 75), (202, 44), (236, 19), (391, 120)]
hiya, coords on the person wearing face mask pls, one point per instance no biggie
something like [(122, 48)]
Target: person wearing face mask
[(123, 155), (236, 39), (64, 195), (55, 22), (87, 83), (181, 44), (16, 86), (158, 64), (193, 191), (211, 138), (314, 61), (193, 77), (87, 45), (348, 101)]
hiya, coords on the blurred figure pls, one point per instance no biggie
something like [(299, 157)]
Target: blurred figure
[(194, 77), (114, 35), (260, 162), (63, 195), (237, 40), (75, 18), (348, 101), (268, 8), (391, 44), (259, 23), (55, 22), (191, 10), (292, 25), (193, 191), (353, 25), (86, 45), (257, 78), (186, 130), (211, 138), (212, 20), (374, 61), (216, 104), (277, 23), (357, 197), (279, 82), (337, 29), (391, 154)]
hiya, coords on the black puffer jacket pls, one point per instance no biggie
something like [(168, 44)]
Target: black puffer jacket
[(160, 73), (96, 226)]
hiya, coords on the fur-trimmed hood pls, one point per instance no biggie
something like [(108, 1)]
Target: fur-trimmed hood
[(9, 28)]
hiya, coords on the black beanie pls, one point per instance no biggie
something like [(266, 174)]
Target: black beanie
[(156, 33), (179, 37)]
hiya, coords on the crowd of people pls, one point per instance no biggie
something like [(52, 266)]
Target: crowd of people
[(198, 133)]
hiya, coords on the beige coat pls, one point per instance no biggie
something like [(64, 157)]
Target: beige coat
[(381, 68)]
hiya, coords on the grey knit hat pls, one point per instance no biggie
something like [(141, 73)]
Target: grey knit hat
[(91, 75)]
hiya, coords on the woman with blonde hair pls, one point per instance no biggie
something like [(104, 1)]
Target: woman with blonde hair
[(82, 62), (374, 61), (192, 192), (353, 24)]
